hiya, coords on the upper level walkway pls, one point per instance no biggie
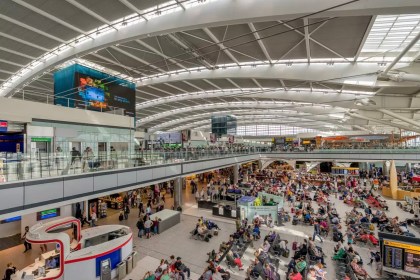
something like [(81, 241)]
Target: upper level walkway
[(19, 167), (57, 180)]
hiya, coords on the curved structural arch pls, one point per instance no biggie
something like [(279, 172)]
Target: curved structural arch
[(196, 17)]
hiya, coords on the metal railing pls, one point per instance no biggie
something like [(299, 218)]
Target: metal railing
[(66, 102), (24, 166), (21, 166)]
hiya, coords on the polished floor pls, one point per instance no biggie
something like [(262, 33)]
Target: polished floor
[(177, 241)]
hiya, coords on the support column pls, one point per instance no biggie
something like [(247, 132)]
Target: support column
[(86, 208), (393, 180), (177, 192), (385, 168), (236, 173)]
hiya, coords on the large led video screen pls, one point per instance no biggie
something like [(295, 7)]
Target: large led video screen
[(82, 87)]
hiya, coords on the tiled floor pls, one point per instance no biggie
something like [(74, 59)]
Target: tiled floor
[(177, 241)]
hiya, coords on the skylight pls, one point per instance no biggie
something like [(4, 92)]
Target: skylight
[(392, 33)]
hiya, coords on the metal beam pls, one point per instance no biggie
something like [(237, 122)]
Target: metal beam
[(161, 54), (23, 42), (307, 38), (133, 8), (26, 26), (386, 123), (90, 12), (260, 42), (116, 63), (402, 53), (17, 53), (362, 43), (314, 72), (50, 16), (397, 116), (186, 47), (137, 59), (221, 46), (11, 63), (248, 104)]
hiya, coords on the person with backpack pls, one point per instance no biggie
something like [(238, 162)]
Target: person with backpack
[(126, 211), (140, 227), (10, 270)]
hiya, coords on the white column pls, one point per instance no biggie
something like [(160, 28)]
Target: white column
[(178, 192), (235, 173)]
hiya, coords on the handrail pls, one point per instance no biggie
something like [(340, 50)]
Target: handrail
[(23, 166)]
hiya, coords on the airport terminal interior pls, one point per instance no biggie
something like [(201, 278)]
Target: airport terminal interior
[(209, 139)]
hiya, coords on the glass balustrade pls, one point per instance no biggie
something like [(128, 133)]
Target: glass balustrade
[(25, 166)]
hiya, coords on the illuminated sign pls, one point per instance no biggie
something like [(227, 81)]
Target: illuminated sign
[(3, 126), (12, 219), (47, 214), (401, 245)]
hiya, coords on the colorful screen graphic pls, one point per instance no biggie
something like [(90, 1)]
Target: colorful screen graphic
[(103, 94), (78, 86)]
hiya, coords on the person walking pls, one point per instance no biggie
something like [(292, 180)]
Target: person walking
[(140, 227), (28, 246), (93, 219), (126, 211), (317, 231)]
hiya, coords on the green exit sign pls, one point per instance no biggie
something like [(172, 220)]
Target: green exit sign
[(41, 139)]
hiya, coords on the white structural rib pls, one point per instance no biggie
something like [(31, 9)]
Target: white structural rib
[(23, 41), (221, 14), (89, 11), (386, 123), (50, 16), (260, 42), (40, 32), (307, 38), (221, 46), (397, 116), (133, 8)]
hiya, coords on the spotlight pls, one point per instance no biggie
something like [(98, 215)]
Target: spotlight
[(124, 23), (98, 32), (288, 64)]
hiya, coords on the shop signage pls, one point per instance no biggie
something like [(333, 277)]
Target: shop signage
[(9, 220), (3, 126), (401, 245), (47, 214), (40, 139)]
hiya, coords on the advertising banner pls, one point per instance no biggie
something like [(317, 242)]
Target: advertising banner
[(78, 86)]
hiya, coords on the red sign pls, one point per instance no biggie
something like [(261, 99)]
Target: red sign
[(3, 124)]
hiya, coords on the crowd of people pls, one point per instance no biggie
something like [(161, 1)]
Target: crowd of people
[(169, 269)]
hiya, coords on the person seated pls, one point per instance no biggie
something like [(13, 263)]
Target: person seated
[(256, 232), (320, 272), (302, 251), (51, 263), (316, 254), (311, 274), (256, 268), (266, 247), (335, 220), (340, 254), (202, 230), (300, 264), (270, 237), (307, 217), (149, 276), (234, 261), (358, 270), (295, 275), (323, 225)]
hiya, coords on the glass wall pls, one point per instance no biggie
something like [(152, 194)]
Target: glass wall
[(272, 130), (99, 139)]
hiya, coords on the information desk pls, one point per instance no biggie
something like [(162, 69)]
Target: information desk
[(35, 270), (206, 204), (168, 218), (224, 212)]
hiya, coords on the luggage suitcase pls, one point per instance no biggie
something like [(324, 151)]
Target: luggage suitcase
[(215, 232), (286, 253), (294, 222), (206, 239), (294, 246)]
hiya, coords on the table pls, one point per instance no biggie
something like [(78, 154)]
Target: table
[(168, 218)]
